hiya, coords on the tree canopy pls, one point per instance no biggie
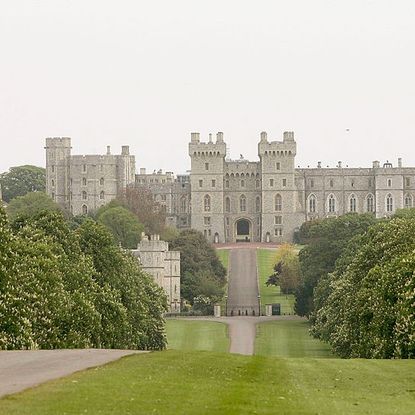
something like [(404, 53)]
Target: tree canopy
[(21, 180)]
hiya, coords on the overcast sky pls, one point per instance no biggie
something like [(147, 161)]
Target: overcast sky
[(147, 73)]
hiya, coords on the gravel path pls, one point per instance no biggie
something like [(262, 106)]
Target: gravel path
[(23, 369)]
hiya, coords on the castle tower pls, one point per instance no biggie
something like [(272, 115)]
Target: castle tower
[(206, 181), (280, 208), (58, 153)]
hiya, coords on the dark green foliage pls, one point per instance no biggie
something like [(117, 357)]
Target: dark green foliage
[(31, 204), (55, 294), (366, 307), (326, 240), (202, 273), (21, 180)]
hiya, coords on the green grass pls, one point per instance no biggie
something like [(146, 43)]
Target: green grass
[(288, 338), (197, 335), (223, 255), (271, 294), (176, 382)]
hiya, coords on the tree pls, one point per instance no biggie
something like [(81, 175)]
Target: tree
[(31, 204), (123, 225), (326, 240), (140, 201), (21, 180), (202, 273), (286, 269)]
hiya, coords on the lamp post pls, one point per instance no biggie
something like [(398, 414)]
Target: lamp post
[(226, 305), (259, 305)]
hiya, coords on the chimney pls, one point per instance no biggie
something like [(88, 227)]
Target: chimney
[(125, 150), (210, 137), (375, 164), (319, 165), (219, 137), (195, 137), (339, 165), (399, 162), (108, 150), (264, 136)]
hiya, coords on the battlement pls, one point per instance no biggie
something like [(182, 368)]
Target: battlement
[(58, 142), (152, 244), (199, 148)]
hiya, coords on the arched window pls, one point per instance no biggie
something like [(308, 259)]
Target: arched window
[(207, 203), (331, 204), (84, 195), (227, 205), (84, 209), (183, 204), (352, 203), (258, 204), (227, 184), (278, 203), (408, 201), (370, 203), (53, 183), (242, 203), (242, 183), (83, 181), (101, 181), (389, 203), (312, 204), (101, 195)]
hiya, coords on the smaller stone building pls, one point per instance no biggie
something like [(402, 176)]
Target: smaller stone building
[(163, 265)]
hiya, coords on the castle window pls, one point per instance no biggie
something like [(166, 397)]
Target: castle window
[(278, 220), (389, 182), (278, 165), (227, 184), (84, 195), (200, 183), (227, 204), (83, 181), (183, 204), (213, 183), (389, 203), (407, 181), (101, 195), (242, 183), (257, 204), (242, 203), (257, 183), (352, 203), (284, 182), (331, 183), (53, 169), (370, 182), (271, 182), (70, 195), (53, 196), (206, 220), (278, 232), (163, 198), (53, 183), (312, 204), (332, 204), (311, 182), (101, 181), (370, 203), (408, 201), (227, 221), (206, 203), (70, 181), (84, 209), (278, 203), (209, 232), (352, 182), (84, 168), (101, 167), (206, 166)]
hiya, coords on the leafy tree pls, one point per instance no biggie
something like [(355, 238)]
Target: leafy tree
[(21, 180), (369, 311), (123, 225), (31, 204), (202, 273), (326, 240), (286, 269), (140, 201)]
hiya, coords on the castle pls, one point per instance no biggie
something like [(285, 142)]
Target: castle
[(233, 200)]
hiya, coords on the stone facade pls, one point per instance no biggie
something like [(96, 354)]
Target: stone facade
[(80, 184), (236, 200), (163, 265)]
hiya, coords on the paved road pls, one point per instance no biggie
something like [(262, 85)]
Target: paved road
[(243, 283), (27, 368)]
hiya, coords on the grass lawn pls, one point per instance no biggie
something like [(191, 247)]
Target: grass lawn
[(223, 255), (176, 382), (271, 294), (197, 335), (288, 338)]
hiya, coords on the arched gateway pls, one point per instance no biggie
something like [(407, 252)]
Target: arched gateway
[(243, 230)]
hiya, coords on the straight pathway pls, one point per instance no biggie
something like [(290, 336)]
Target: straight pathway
[(243, 283), (22, 369)]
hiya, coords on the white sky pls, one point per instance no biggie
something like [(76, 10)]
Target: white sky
[(147, 73)]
